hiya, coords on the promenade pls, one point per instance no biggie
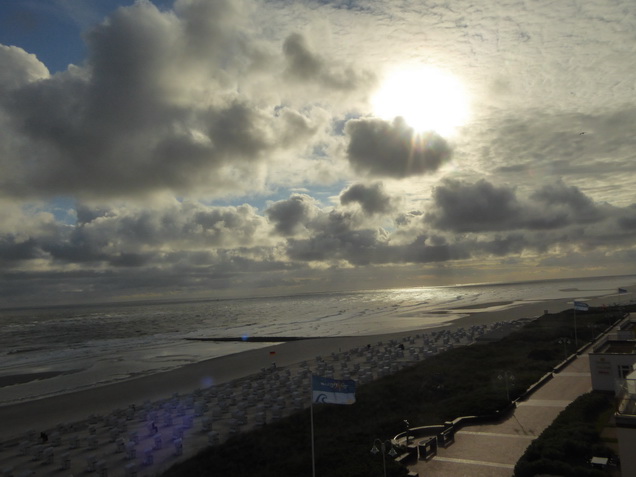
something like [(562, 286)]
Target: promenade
[(493, 450)]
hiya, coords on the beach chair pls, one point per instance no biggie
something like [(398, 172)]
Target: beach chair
[(23, 448), (37, 452), (102, 468), (130, 470), (91, 463), (131, 451), (93, 443), (187, 422), (148, 456), (206, 424), (120, 445), (178, 447), (48, 455), (65, 461), (73, 442), (167, 420), (213, 438)]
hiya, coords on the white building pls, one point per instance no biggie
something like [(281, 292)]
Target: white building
[(625, 419), (611, 362)]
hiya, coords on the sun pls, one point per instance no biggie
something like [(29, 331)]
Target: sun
[(428, 98)]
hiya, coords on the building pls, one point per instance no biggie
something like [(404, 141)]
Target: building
[(625, 419), (611, 362)]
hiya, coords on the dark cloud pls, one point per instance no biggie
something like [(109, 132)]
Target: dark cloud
[(292, 216), (482, 207), (558, 195), (393, 149), (371, 198), (307, 67), (628, 219), (465, 207)]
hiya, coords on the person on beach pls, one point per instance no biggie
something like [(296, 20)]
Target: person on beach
[(44, 437)]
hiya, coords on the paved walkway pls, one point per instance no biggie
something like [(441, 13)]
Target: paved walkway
[(493, 450)]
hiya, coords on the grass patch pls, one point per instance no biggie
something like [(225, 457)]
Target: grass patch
[(567, 445)]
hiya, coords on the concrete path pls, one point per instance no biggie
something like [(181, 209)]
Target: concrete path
[(493, 450)]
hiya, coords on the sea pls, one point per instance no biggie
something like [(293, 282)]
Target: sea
[(77, 347)]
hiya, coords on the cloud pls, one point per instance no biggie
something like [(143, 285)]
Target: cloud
[(17, 67), (305, 66), (482, 207), (392, 149), (371, 198), (187, 101), (294, 215)]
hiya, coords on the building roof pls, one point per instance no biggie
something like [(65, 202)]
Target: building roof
[(617, 347)]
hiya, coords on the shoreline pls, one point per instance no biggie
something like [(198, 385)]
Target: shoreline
[(45, 413)]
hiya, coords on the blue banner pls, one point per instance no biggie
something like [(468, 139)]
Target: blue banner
[(333, 391)]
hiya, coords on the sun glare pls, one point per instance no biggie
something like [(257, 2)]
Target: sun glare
[(429, 99)]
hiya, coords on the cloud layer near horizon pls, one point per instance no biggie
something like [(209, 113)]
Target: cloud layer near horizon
[(231, 146)]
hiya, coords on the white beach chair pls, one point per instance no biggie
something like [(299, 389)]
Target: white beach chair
[(131, 451), (73, 442), (102, 468), (187, 422), (148, 456), (24, 447), (48, 455), (206, 424), (91, 463), (93, 443), (130, 470), (37, 451), (178, 447), (65, 461), (213, 438), (120, 445)]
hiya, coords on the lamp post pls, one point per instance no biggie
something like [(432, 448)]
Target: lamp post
[(565, 342), (505, 376), (375, 450), (406, 423)]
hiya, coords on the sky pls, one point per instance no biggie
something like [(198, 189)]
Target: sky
[(221, 148)]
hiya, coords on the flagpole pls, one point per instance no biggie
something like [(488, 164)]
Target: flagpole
[(311, 413), (576, 338)]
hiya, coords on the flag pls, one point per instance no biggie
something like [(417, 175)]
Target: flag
[(581, 306), (332, 391), (622, 290)]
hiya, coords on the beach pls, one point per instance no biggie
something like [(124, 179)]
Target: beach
[(199, 381), (25, 420)]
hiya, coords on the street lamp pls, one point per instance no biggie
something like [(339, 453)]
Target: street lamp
[(375, 450), (505, 376), (407, 431), (565, 342)]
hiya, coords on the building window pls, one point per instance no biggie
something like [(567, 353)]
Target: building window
[(624, 370)]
